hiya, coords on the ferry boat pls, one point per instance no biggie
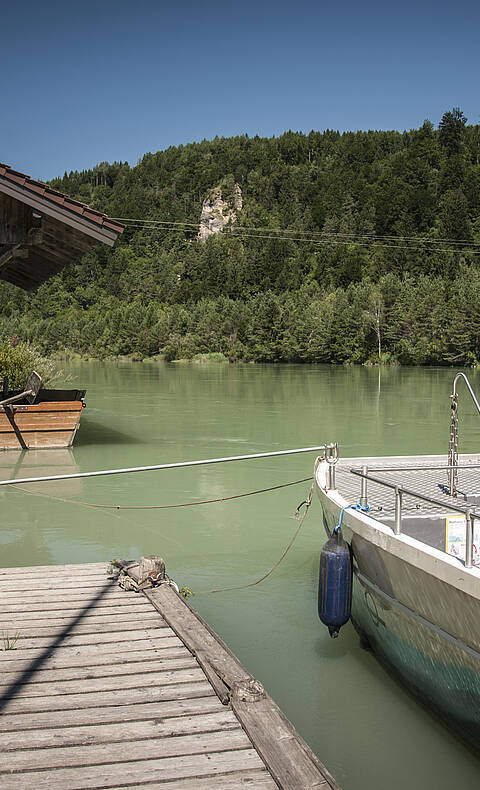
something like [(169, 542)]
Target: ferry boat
[(51, 421), (412, 530)]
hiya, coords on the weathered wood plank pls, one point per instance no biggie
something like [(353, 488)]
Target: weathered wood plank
[(130, 712), (144, 667), (113, 775), (154, 748), (54, 596), (95, 612), (133, 696), (290, 761), (95, 660), (28, 581), (43, 582), (99, 633), (87, 625), (88, 568), (44, 609), (87, 649), (104, 683), (155, 633), (125, 731), (234, 781)]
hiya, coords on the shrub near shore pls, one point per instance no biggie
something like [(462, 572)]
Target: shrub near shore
[(399, 320), (18, 359)]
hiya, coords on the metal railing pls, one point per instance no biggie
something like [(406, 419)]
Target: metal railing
[(453, 441), (401, 491), (327, 449)]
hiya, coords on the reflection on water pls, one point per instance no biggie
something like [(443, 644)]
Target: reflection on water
[(367, 730), (25, 536)]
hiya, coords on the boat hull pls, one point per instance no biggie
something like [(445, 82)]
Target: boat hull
[(415, 616), (441, 672), (39, 426)]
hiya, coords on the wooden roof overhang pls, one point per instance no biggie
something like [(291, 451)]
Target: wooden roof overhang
[(42, 230)]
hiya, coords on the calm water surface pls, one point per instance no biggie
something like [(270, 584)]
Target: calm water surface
[(369, 732)]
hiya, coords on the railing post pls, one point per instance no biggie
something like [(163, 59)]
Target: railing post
[(332, 484), (331, 457), (469, 522), (398, 511), (363, 488)]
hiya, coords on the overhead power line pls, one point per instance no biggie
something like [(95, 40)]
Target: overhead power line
[(322, 234), (328, 242), (241, 234)]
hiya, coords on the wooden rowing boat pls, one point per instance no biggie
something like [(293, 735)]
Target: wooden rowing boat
[(51, 421)]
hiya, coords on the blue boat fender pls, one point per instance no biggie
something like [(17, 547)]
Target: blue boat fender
[(335, 583)]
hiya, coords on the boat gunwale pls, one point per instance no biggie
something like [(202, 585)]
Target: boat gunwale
[(32, 408)]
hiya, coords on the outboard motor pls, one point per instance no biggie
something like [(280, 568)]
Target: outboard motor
[(335, 583)]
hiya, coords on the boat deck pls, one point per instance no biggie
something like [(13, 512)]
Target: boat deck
[(103, 688), (429, 482)]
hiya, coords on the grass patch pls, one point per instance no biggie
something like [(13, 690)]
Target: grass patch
[(10, 642)]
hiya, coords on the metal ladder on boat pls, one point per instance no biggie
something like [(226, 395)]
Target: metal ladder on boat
[(452, 462)]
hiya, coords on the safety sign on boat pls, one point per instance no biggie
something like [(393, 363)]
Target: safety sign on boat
[(455, 533)]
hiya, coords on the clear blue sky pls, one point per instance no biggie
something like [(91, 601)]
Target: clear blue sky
[(87, 82)]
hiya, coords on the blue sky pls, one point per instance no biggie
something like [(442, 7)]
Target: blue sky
[(88, 82)]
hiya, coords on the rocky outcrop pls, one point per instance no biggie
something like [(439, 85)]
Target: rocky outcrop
[(221, 206)]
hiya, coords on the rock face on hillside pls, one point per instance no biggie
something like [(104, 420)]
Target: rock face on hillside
[(221, 206)]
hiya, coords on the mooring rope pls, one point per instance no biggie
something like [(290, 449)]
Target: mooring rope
[(358, 506), (161, 507), (307, 502)]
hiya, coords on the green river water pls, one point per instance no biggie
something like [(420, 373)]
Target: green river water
[(367, 730)]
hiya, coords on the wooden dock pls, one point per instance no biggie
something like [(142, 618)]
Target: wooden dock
[(103, 688)]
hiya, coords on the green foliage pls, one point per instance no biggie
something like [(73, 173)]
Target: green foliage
[(452, 131), (10, 642), (17, 361), (352, 266)]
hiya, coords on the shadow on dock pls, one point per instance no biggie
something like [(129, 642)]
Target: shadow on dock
[(39, 661)]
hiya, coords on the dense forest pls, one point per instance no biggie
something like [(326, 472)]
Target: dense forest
[(354, 247)]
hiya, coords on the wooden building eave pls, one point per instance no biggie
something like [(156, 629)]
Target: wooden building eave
[(42, 230), (45, 206)]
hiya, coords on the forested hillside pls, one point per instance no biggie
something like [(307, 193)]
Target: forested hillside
[(348, 248)]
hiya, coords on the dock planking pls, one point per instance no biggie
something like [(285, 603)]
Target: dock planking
[(112, 689)]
